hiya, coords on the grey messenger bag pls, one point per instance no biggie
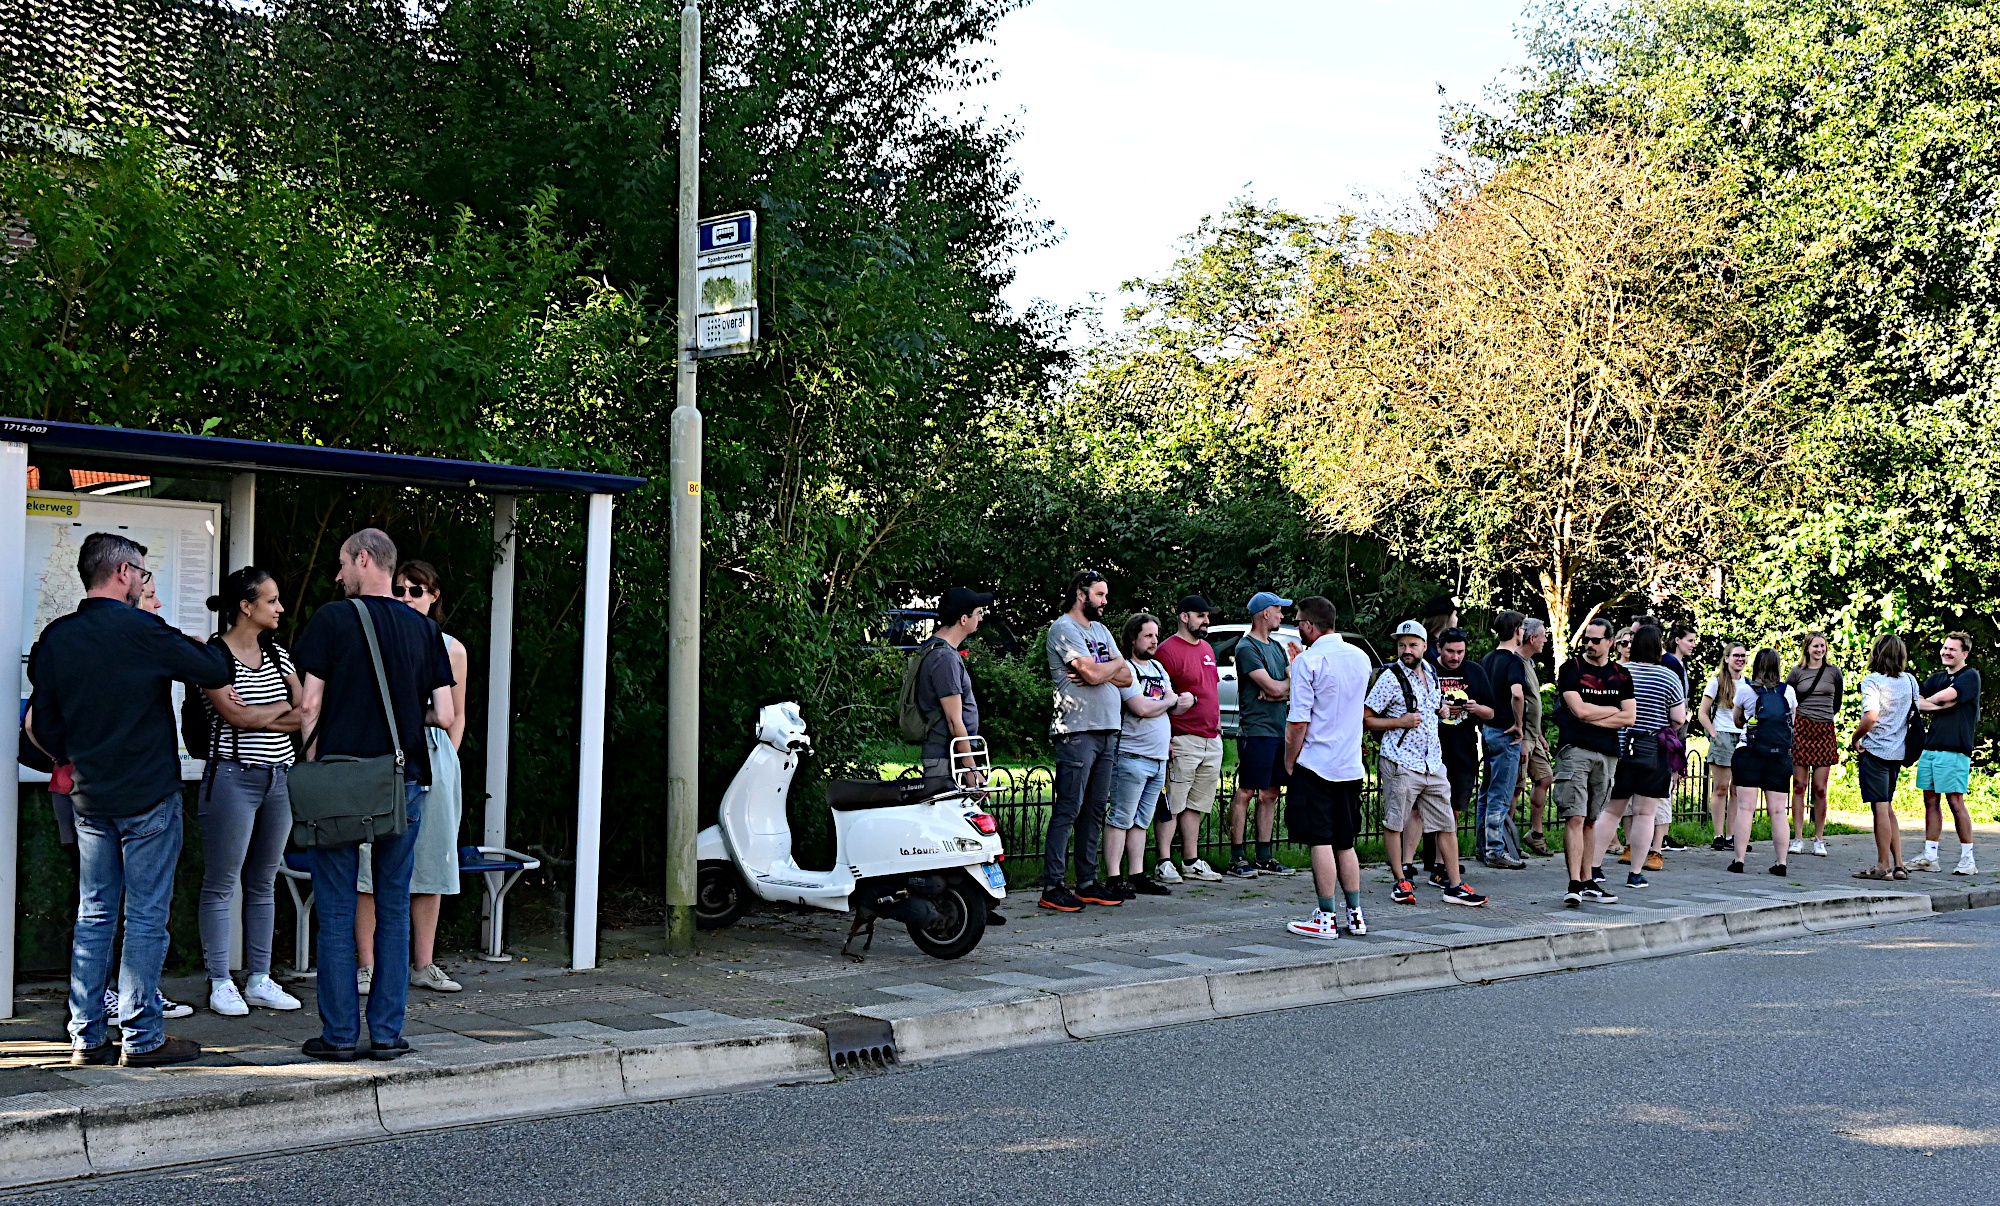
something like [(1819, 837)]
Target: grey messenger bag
[(341, 800)]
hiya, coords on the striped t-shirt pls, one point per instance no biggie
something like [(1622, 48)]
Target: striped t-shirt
[(1655, 689), (264, 685)]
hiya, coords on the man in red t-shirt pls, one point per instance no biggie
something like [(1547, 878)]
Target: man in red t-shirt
[(1194, 755)]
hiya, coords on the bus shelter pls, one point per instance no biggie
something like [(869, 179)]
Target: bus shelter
[(29, 580)]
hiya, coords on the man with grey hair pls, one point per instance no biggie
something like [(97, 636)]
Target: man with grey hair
[(102, 679), (342, 709)]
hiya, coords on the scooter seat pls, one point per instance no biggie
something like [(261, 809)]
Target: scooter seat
[(849, 795)]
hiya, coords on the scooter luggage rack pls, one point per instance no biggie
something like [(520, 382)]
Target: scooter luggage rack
[(971, 766)]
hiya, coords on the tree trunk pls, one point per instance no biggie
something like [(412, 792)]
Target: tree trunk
[(1555, 597)]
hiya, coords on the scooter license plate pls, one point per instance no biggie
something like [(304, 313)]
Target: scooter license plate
[(994, 877)]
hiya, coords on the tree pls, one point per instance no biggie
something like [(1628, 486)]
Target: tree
[(1554, 383)]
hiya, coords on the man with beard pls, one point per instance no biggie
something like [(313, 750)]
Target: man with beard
[(1404, 707), (1463, 685), (1194, 759), (1087, 673)]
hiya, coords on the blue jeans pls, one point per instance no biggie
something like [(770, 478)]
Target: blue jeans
[(335, 870), (1496, 794), (128, 860), (1137, 782)]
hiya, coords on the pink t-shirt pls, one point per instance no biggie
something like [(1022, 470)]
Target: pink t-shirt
[(1191, 665)]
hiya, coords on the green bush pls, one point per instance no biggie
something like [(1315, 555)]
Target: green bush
[(1014, 699)]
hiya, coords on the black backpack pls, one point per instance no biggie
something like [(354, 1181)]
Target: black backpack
[(200, 726), (1771, 734)]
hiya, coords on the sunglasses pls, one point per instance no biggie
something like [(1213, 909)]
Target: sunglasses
[(415, 590), (1598, 640)]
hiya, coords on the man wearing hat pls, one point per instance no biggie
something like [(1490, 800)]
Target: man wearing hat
[(1404, 707), (943, 686), (1440, 617), (1194, 755), (1263, 694)]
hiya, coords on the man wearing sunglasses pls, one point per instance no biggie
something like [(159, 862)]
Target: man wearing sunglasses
[(1594, 700)]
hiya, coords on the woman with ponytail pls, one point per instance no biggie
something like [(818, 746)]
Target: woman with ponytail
[(246, 810)]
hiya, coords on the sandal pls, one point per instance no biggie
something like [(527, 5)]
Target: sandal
[(1873, 873), (1900, 873)]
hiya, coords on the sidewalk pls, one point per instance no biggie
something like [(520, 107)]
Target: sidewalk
[(530, 1037)]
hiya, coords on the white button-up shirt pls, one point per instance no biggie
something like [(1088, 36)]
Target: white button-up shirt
[(1329, 683)]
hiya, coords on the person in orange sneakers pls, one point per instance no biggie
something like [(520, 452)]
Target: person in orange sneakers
[(1404, 707)]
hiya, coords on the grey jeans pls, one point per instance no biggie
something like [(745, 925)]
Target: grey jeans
[(1083, 787), (246, 817)]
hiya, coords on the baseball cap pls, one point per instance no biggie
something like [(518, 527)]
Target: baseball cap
[(1439, 605), (1413, 628), (958, 603), (1265, 598), (1193, 603)]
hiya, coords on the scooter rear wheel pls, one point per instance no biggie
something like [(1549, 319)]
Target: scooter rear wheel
[(720, 896), (961, 920)]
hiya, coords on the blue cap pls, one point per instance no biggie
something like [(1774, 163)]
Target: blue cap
[(1265, 598)]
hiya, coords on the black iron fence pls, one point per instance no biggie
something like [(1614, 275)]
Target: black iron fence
[(1023, 797)]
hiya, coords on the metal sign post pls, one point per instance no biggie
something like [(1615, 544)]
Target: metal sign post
[(684, 590)]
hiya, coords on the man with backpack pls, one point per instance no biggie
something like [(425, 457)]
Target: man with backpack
[(1404, 706), (102, 677), (937, 706)]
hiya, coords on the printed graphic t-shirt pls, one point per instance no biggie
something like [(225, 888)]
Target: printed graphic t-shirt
[(1145, 736), (1081, 708), (1191, 664), (1607, 686)]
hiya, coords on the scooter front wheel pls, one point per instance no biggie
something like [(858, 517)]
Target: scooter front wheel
[(961, 920), (720, 896)]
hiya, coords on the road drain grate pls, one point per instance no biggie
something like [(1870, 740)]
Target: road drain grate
[(856, 1043)]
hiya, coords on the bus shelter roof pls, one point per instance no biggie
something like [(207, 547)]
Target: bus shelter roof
[(175, 447)]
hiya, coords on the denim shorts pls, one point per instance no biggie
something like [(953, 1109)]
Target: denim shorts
[(1136, 784)]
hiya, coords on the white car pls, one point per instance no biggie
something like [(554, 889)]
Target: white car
[(1224, 638)]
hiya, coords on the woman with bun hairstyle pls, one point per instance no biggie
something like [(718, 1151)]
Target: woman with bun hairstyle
[(246, 810), (434, 873)]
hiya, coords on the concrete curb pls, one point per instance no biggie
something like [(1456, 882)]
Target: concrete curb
[(216, 1113)]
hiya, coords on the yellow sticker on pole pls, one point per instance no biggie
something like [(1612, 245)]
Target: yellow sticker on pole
[(694, 487)]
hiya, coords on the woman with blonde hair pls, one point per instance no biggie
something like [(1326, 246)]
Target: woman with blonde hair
[(1888, 701), (1763, 760), (1819, 685)]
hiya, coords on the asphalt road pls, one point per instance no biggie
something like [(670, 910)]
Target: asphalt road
[(1854, 1069)]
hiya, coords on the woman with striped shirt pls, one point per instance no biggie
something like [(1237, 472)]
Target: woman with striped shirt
[(246, 811)]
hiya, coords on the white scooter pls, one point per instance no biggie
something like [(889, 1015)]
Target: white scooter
[(924, 852)]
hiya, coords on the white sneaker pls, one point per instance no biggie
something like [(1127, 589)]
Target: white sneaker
[(1819, 847), (1321, 924), (431, 976), (1798, 846), (1199, 869), (364, 979), (225, 1000), (1924, 862), (1166, 872), (1965, 864), (1356, 923), (264, 992)]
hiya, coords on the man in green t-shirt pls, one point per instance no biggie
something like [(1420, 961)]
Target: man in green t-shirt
[(1263, 693)]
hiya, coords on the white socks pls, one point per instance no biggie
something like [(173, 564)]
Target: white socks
[(1965, 850), (1930, 849)]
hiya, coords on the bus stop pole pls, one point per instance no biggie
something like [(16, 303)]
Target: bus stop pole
[(13, 597), (590, 762), (684, 597)]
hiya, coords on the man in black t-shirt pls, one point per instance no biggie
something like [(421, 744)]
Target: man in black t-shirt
[(1463, 684), (1594, 700), (1507, 685), (342, 709), (1951, 699)]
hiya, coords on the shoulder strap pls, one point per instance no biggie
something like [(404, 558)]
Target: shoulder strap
[(1817, 677), (381, 678)]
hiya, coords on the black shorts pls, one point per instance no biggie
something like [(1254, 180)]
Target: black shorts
[(1464, 775), (1878, 778), (1764, 772), (1646, 777), (1260, 763), (1319, 812)]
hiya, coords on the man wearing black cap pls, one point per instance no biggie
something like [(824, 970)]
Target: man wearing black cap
[(943, 686), (1194, 758)]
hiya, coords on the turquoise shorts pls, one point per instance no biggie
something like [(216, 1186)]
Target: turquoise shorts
[(1944, 771)]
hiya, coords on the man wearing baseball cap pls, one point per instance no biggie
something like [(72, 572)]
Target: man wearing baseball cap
[(1194, 755), (1404, 706), (1263, 694)]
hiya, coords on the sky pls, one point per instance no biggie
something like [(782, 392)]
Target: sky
[(1139, 117)]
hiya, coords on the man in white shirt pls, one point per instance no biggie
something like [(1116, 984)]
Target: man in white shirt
[(1323, 761)]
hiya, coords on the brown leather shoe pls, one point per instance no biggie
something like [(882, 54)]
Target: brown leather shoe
[(1537, 843), (1655, 863), (84, 1057), (173, 1051)]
